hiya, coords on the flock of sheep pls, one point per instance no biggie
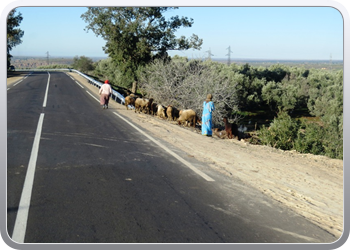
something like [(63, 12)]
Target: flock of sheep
[(187, 117)]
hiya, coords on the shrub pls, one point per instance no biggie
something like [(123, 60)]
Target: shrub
[(281, 133), (310, 139)]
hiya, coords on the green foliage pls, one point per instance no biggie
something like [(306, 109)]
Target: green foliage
[(107, 69), (14, 34), (83, 64), (281, 133), (305, 137), (55, 66), (136, 35), (310, 138)]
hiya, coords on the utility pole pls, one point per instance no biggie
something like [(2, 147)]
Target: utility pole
[(47, 58), (331, 62), (209, 54), (229, 55)]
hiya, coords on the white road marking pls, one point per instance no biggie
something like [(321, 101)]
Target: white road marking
[(17, 82), (19, 230), (93, 96), (189, 165), (294, 234), (95, 145), (79, 84), (21, 80), (47, 90)]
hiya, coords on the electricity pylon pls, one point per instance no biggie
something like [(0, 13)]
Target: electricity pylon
[(47, 58), (229, 55), (209, 54)]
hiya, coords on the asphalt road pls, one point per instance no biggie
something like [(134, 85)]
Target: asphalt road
[(98, 179)]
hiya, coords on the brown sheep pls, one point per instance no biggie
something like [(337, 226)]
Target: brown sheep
[(142, 104), (188, 116), (172, 112), (231, 129), (129, 100), (149, 106), (138, 104)]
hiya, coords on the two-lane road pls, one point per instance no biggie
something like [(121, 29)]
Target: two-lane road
[(98, 178)]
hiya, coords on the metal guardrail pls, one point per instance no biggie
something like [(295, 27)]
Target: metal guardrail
[(115, 95)]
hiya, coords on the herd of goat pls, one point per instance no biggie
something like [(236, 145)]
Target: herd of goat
[(187, 117)]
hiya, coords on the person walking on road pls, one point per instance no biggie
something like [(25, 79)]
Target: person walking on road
[(105, 92)]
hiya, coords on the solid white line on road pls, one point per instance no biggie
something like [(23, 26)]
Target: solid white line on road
[(17, 82), (93, 96), (79, 84), (47, 90), (19, 230), (189, 165)]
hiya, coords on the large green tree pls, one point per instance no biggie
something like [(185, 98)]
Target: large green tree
[(136, 35), (14, 34)]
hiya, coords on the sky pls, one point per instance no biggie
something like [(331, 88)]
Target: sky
[(275, 33)]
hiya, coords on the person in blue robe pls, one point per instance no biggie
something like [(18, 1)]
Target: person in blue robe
[(207, 121)]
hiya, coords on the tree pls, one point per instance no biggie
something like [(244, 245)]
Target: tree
[(106, 69), (14, 34), (83, 64), (136, 35), (185, 85)]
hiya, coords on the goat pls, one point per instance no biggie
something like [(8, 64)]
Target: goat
[(231, 129), (161, 111), (172, 113)]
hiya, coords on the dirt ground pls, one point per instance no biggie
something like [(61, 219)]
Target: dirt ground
[(310, 185)]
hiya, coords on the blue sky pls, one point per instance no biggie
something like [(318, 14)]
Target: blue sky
[(281, 33)]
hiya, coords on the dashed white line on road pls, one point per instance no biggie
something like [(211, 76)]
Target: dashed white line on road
[(47, 90), (19, 230)]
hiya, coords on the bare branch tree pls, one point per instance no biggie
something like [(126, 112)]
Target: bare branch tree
[(185, 84)]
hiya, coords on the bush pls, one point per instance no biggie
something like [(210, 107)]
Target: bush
[(310, 139), (281, 133), (83, 64)]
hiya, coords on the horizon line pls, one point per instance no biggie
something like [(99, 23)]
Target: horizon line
[(204, 58)]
